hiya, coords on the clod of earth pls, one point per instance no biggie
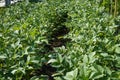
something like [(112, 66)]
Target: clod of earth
[(59, 42)]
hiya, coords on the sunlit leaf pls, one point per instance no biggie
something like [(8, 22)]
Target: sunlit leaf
[(117, 50), (71, 75)]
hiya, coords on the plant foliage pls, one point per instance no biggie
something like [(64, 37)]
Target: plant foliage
[(59, 40)]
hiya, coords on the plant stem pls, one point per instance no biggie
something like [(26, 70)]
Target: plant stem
[(115, 8), (111, 6)]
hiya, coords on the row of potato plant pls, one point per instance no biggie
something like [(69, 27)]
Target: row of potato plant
[(88, 47)]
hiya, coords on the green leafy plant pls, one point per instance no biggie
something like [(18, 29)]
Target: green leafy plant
[(59, 40)]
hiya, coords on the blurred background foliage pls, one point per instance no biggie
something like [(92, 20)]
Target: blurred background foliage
[(111, 6)]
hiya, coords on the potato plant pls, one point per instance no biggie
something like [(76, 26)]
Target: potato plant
[(59, 40)]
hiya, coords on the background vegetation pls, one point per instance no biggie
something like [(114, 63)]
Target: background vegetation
[(60, 40), (111, 6)]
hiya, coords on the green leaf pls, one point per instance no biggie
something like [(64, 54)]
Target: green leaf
[(60, 58), (28, 58), (14, 71), (20, 69), (72, 75), (97, 76), (3, 56), (26, 50), (92, 57), (85, 59), (108, 71), (35, 78), (1, 35), (104, 54), (52, 61), (99, 68), (117, 50)]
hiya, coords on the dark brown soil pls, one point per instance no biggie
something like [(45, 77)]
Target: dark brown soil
[(61, 31)]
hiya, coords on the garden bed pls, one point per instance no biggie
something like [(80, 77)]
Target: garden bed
[(59, 40)]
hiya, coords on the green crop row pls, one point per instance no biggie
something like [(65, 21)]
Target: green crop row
[(59, 40)]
